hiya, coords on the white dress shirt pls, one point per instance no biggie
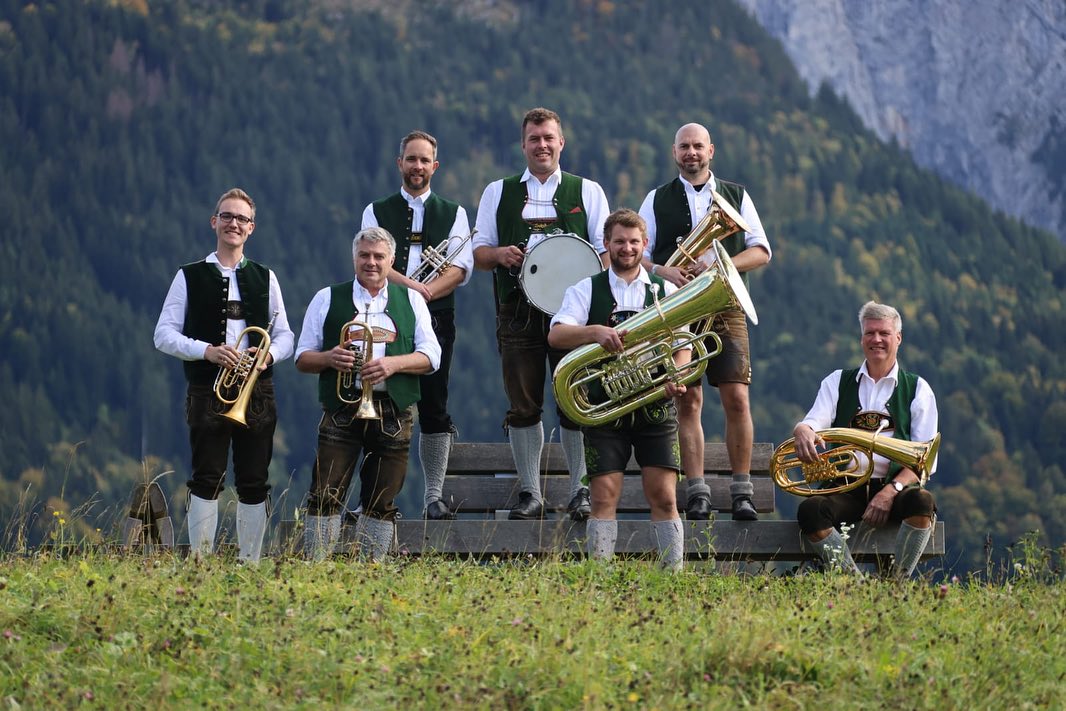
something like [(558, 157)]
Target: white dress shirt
[(372, 312), (873, 397), (699, 202), (627, 297), (168, 329), (460, 228), (540, 205)]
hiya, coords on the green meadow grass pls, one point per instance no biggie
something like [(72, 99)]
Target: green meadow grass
[(104, 630)]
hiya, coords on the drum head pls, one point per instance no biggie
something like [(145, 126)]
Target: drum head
[(553, 265)]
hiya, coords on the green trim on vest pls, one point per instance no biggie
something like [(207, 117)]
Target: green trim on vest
[(394, 214), (205, 310), (898, 406), (673, 220), (511, 229), (403, 388)]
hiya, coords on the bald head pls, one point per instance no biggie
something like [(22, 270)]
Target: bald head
[(693, 152)]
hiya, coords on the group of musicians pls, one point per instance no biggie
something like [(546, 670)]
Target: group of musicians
[(406, 313)]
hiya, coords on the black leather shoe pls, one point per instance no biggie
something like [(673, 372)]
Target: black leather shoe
[(527, 508), (439, 511), (580, 506), (699, 507), (744, 510)]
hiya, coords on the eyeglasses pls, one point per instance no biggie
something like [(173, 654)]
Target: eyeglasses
[(229, 217)]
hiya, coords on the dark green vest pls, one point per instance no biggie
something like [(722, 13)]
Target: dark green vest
[(205, 310), (898, 406), (602, 305), (673, 219), (511, 229), (402, 387), (394, 214)]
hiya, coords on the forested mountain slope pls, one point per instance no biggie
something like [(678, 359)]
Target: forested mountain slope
[(122, 122)]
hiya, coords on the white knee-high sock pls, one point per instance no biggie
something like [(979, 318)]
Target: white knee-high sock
[(526, 446), (251, 528), (602, 535), (202, 520), (670, 539)]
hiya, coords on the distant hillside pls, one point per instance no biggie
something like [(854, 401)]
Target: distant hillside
[(973, 89), (122, 122)]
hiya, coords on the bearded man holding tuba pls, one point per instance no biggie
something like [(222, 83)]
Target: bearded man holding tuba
[(594, 311), (878, 395), (246, 294)]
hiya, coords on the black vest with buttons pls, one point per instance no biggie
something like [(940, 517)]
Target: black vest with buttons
[(205, 310)]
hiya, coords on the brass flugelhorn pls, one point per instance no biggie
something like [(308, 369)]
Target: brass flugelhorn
[(594, 386), (346, 380), (435, 262), (242, 376), (843, 462), (720, 221)]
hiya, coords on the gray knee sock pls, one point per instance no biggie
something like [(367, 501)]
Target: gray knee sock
[(433, 450), (574, 449), (741, 485), (670, 539), (526, 446), (835, 553), (697, 486), (602, 535), (910, 542), (376, 537)]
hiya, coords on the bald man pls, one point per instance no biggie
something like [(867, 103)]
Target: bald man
[(671, 210)]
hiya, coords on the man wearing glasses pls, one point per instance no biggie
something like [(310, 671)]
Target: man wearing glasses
[(418, 218), (209, 304)]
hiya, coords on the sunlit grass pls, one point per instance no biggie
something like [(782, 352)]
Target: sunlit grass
[(130, 632)]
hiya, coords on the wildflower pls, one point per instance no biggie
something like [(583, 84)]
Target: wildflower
[(88, 695), (516, 621), (707, 677), (55, 513), (943, 591), (179, 590), (62, 522), (633, 697), (8, 634), (954, 580), (830, 604)]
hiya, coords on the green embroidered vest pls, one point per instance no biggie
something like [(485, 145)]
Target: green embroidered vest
[(513, 230), (673, 219), (898, 405), (394, 214), (403, 388), (205, 313)]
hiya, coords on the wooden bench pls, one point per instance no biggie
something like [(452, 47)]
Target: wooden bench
[(481, 487)]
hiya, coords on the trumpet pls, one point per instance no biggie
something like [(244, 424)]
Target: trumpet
[(435, 263), (593, 386), (843, 462), (242, 376), (346, 380), (720, 221)]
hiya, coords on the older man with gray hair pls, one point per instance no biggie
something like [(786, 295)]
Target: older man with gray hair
[(877, 392), (404, 347)]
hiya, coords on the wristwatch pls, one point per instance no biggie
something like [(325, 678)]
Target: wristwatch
[(897, 485)]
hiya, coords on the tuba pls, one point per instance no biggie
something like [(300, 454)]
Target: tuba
[(346, 381), (239, 381), (843, 461), (720, 221), (434, 263), (638, 376)]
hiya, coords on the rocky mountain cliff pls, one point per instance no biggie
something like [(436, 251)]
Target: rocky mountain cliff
[(975, 89)]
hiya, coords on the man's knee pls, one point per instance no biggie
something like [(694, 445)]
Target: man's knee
[(690, 405)]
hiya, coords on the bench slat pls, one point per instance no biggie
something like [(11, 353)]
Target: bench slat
[(479, 493)]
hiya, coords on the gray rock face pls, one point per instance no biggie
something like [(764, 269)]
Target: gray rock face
[(974, 89)]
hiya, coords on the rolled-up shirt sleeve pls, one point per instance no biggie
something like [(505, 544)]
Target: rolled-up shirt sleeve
[(425, 339)]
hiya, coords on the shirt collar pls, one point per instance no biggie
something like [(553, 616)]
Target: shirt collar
[(362, 296), (617, 281), (893, 374), (554, 178), (690, 188), (413, 199), (213, 259)]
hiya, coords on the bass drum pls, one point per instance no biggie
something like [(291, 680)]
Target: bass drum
[(552, 265)]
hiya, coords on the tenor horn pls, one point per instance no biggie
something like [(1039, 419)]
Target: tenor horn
[(843, 461), (435, 262), (239, 380), (720, 221), (346, 391), (594, 386)]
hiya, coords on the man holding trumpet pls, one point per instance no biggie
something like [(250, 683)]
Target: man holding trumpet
[(422, 222), (396, 322), (190, 328), (594, 311)]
